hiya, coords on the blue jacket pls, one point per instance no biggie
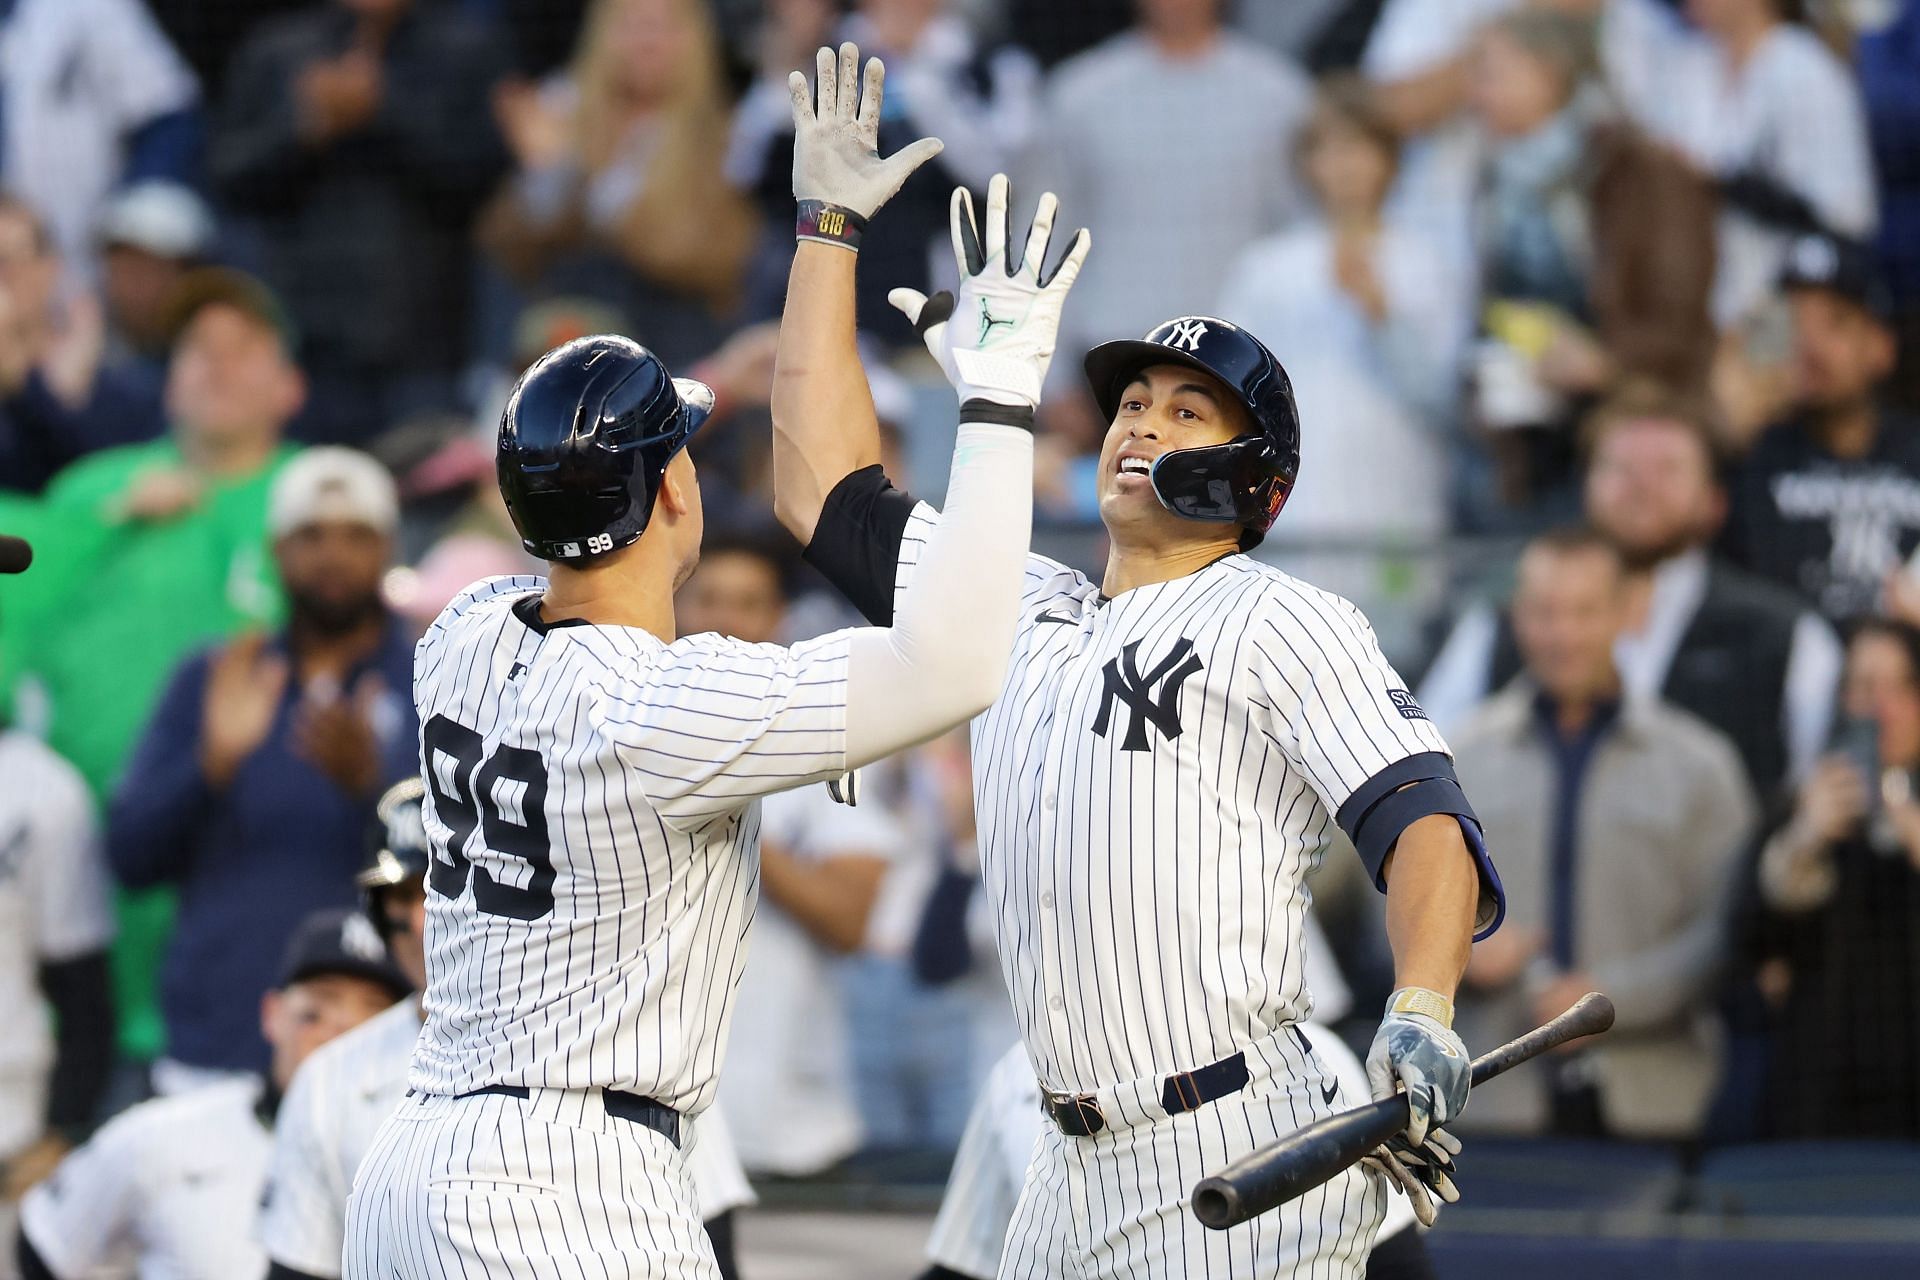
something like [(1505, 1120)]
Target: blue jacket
[(1889, 69), (250, 861)]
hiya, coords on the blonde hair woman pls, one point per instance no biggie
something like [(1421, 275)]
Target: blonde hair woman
[(623, 154)]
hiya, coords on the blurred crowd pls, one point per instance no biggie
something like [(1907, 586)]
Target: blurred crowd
[(1625, 294)]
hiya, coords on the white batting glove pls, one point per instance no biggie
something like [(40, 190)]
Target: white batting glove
[(1419, 1173), (996, 339), (1416, 1049), (839, 179)]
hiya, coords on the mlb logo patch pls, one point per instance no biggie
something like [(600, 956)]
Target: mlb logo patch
[(1406, 704)]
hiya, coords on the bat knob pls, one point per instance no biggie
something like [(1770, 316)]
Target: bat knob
[(1216, 1202)]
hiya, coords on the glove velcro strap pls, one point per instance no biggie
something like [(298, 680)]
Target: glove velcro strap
[(997, 414), (1422, 1001), (829, 224)]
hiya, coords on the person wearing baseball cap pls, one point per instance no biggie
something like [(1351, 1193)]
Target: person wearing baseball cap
[(257, 775), (171, 1186), (151, 236), (1828, 501)]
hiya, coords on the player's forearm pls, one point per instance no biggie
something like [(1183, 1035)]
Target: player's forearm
[(942, 660), (1433, 888), (831, 899), (823, 420)]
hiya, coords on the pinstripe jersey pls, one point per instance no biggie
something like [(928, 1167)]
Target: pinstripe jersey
[(591, 806), (1156, 779)]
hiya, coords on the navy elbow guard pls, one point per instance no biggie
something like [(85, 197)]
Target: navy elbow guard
[(1401, 794)]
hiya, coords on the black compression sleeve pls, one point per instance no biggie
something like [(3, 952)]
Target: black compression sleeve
[(81, 993), (720, 1236), (32, 1265), (856, 542), (280, 1271)]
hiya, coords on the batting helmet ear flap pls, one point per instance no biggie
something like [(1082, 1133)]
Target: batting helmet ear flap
[(1239, 482)]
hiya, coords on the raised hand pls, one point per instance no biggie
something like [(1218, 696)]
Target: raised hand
[(839, 179), (996, 338)]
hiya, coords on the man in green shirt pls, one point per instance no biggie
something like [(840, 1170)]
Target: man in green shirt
[(145, 553)]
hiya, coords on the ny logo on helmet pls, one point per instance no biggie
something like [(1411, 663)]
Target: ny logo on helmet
[(1186, 334), (1126, 684)]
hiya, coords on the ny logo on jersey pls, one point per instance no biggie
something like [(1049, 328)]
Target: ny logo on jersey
[(1186, 334), (1125, 683)]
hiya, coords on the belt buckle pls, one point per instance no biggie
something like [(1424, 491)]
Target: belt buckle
[(1084, 1108)]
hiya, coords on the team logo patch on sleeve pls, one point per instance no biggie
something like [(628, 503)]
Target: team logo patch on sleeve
[(1406, 704)]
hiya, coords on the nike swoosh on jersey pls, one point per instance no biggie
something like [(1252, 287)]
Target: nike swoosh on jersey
[(1048, 615)]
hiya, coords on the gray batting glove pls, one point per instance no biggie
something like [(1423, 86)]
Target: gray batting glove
[(996, 338), (839, 179), (1419, 1173), (1415, 1049)]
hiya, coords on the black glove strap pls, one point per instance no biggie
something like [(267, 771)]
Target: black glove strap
[(829, 224), (1004, 415)]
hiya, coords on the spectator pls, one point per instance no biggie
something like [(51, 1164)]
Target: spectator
[(618, 192), (1174, 141), (942, 81), (1622, 820), (1843, 873), (151, 237), (160, 548), (172, 1187), (259, 770), (93, 96), (53, 947), (368, 115), (1828, 501), (787, 1087), (1582, 285), (1759, 102), (1746, 656), (59, 400), (1370, 322)]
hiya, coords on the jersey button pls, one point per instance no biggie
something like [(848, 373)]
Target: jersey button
[(1056, 1003), (1047, 803), (1046, 900)]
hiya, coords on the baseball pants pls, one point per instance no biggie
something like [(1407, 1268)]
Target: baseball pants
[(502, 1187), (1116, 1205)]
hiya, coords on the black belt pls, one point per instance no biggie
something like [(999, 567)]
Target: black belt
[(657, 1116), (1079, 1116)]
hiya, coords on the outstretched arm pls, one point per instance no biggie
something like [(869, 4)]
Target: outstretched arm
[(823, 421)]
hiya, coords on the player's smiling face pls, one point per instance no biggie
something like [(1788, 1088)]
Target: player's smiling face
[(1165, 407)]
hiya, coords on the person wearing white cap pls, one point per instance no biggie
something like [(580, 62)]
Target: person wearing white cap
[(252, 786), (150, 236)]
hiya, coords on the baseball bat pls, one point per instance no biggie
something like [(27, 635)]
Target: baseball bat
[(1301, 1161)]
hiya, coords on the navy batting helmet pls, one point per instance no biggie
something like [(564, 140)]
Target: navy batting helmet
[(1244, 481), (397, 850), (584, 440)]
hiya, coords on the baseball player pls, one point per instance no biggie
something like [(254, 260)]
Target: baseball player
[(1169, 751), (592, 784), (56, 920), (170, 1187), (1006, 1122), (342, 1093)]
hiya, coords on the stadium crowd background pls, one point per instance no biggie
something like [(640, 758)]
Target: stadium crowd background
[(1604, 320)]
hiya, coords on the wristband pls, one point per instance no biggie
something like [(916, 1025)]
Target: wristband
[(829, 224), (994, 413), (1419, 1000)]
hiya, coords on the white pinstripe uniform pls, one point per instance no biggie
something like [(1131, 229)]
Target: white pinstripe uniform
[(590, 804), (335, 1106), (1006, 1125), (1158, 776)]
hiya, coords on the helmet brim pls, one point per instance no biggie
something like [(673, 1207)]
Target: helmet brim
[(1112, 365)]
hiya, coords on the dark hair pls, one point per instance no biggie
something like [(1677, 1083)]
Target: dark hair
[(1568, 539), (775, 549), (1904, 634)]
